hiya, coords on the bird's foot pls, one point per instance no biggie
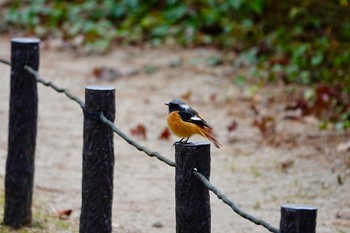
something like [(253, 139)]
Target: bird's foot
[(178, 142), (183, 142)]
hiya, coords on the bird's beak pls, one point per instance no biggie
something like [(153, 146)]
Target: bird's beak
[(167, 104)]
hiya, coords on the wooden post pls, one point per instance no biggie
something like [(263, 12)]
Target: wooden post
[(22, 133), (98, 161), (191, 196), (298, 219)]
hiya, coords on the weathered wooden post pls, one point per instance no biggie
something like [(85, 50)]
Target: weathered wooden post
[(98, 161), (298, 219), (191, 196), (22, 133)]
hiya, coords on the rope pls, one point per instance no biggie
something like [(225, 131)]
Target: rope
[(101, 117), (150, 153), (135, 144), (54, 86), (233, 206)]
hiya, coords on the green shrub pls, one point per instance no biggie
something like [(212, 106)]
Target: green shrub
[(300, 41)]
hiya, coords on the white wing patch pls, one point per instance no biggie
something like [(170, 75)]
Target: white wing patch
[(184, 106), (196, 118)]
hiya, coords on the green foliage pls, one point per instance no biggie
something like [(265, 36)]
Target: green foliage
[(133, 21), (298, 41)]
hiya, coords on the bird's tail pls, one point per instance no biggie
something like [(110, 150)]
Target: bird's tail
[(206, 133)]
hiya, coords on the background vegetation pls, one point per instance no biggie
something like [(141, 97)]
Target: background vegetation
[(300, 41)]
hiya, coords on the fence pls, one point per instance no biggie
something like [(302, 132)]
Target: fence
[(192, 161)]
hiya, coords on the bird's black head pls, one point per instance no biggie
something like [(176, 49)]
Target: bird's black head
[(176, 105)]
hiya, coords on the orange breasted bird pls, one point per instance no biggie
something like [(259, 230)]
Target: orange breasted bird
[(184, 122)]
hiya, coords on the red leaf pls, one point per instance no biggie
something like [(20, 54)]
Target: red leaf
[(139, 130), (232, 126), (213, 97), (106, 73), (165, 135), (266, 125), (278, 61), (64, 214), (302, 105)]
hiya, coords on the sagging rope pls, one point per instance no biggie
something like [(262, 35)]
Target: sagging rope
[(150, 153)]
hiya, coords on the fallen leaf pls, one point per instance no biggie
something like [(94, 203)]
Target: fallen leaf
[(278, 61), (323, 102), (213, 97), (285, 165), (139, 130), (327, 103), (232, 126), (254, 109), (64, 214), (266, 125), (302, 105), (106, 73), (186, 96), (165, 135)]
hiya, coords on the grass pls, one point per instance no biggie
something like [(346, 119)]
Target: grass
[(44, 220)]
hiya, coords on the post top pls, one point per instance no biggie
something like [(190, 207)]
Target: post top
[(25, 40), (100, 88), (298, 207), (189, 144)]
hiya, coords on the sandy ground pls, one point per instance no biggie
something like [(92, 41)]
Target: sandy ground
[(247, 168)]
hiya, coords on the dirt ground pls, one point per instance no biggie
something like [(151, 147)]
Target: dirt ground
[(301, 164)]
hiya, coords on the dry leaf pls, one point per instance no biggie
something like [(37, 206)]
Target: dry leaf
[(165, 135), (106, 73), (186, 96), (278, 61), (323, 102), (233, 126), (213, 97), (64, 214), (266, 125), (139, 130), (302, 105), (285, 165)]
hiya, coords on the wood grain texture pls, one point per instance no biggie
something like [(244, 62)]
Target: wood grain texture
[(191, 196), (22, 133), (98, 162)]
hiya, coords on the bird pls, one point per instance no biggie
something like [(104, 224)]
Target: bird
[(184, 122)]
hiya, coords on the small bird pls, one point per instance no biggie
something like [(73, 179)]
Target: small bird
[(184, 121)]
